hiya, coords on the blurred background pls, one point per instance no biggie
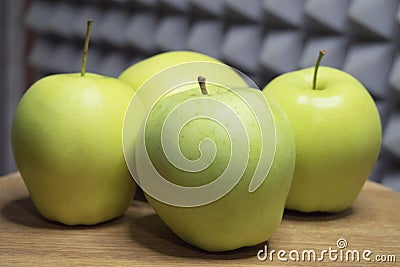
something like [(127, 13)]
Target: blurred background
[(262, 38)]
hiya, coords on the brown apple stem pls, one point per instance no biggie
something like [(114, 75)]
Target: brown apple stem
[(202, 84), (321, 55), (85, 49)]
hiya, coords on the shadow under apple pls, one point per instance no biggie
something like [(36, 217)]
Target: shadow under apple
[(151, 232), (23, 212), (315, 216)]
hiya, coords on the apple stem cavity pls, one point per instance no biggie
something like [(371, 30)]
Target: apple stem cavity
[(321, 55), (202, 84), (85, 49)]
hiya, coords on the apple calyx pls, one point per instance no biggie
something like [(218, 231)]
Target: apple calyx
[(86, 47), (202, 84), (321, 55)]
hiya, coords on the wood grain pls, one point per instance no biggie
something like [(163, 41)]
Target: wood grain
[(140, 238)]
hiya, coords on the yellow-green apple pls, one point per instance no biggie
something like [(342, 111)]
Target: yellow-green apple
[(67, 144), (139, 72), (338, 135), (225, 158)]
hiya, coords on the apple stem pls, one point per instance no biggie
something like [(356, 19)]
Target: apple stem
[(85, 49), (321, 55), (202, 84)]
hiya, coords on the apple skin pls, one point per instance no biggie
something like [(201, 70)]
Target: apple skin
[(138, 73), (67, 144), (338, 136), (239, 218)]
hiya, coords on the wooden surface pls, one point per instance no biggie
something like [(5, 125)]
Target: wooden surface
[(141, 239)]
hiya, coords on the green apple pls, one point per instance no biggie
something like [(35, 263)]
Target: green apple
[(216, 219), (67, 144), (338, 136), (138, 73)]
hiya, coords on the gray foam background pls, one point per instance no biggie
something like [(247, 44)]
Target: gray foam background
[(262, 38)]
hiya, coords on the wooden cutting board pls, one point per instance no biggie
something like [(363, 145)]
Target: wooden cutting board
[(370, 228)]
